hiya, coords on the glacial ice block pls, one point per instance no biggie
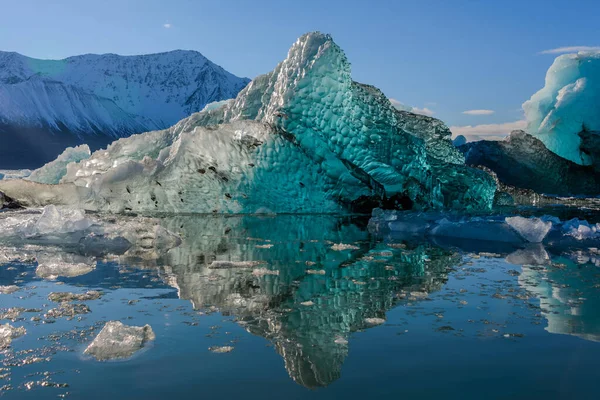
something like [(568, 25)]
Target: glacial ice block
[(302, 138), (117, 341), (53, 171), (568, 105)]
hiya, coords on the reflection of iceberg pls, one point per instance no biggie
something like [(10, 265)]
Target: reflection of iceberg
[(569, 297), (302, 313)]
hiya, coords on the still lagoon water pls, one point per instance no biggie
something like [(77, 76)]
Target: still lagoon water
[(312, 307)]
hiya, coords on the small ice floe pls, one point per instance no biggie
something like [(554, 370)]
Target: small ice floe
[(343, 246), (118, 341), (67, 310), (534, 230), (10, 289), (8, 333), (581, 229), (263, 272), (63, 265), (374, 321), (61, 297), (233, 264), (221, 349), (315, 271)]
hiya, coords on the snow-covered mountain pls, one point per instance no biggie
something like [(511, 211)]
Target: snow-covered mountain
[(95, 98)]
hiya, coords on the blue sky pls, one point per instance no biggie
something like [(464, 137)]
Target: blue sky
[(445, 56)]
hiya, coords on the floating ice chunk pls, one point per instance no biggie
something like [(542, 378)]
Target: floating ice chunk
[(343, 246), (53, 172), (8, 333), (221, 349), (67, 310), (581, 229), (117, 340), (56, 220), (315, 271), (10, 289), (533, 230), (61, 297), (53, 222), (52, 266)]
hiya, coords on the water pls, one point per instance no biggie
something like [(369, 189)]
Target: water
[(459, 322)]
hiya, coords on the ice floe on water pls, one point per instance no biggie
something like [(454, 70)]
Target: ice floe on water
[(117, 341), (8, 333)]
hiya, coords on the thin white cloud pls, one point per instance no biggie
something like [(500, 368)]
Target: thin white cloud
[(478, 112), (570, 49), (487, 131), (167, 25), (423, 111), (403, 107)]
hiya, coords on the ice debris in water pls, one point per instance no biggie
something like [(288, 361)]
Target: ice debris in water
[(343, 246), (117, 340), (10, 289), (52, 266), (61, 297), (54, 221), (221, 349), (302, 138), (533, 230), (567, 108), (581, 229), (52, 172), (8, 333)]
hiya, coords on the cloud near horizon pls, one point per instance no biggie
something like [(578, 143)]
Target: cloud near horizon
[(570, 49), (401, 106), (479, 112), (487, 131)]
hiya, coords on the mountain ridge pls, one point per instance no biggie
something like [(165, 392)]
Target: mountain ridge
[(103, 95)]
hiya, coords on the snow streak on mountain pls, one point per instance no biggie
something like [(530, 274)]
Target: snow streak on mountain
[(46, 105)]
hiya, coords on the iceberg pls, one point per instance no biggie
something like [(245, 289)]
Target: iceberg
[(568, 106), (302, 138), (523, 161), (534, 230)]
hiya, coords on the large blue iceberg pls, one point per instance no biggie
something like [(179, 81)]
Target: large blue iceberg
[(302, 138), (565, 114)]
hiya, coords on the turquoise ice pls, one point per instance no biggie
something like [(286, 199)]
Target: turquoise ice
[(302, 138)]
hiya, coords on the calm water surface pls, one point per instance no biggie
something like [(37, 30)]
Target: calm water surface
[(383, 316)]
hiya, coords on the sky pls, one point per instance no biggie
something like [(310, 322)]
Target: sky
[(469, 63)]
